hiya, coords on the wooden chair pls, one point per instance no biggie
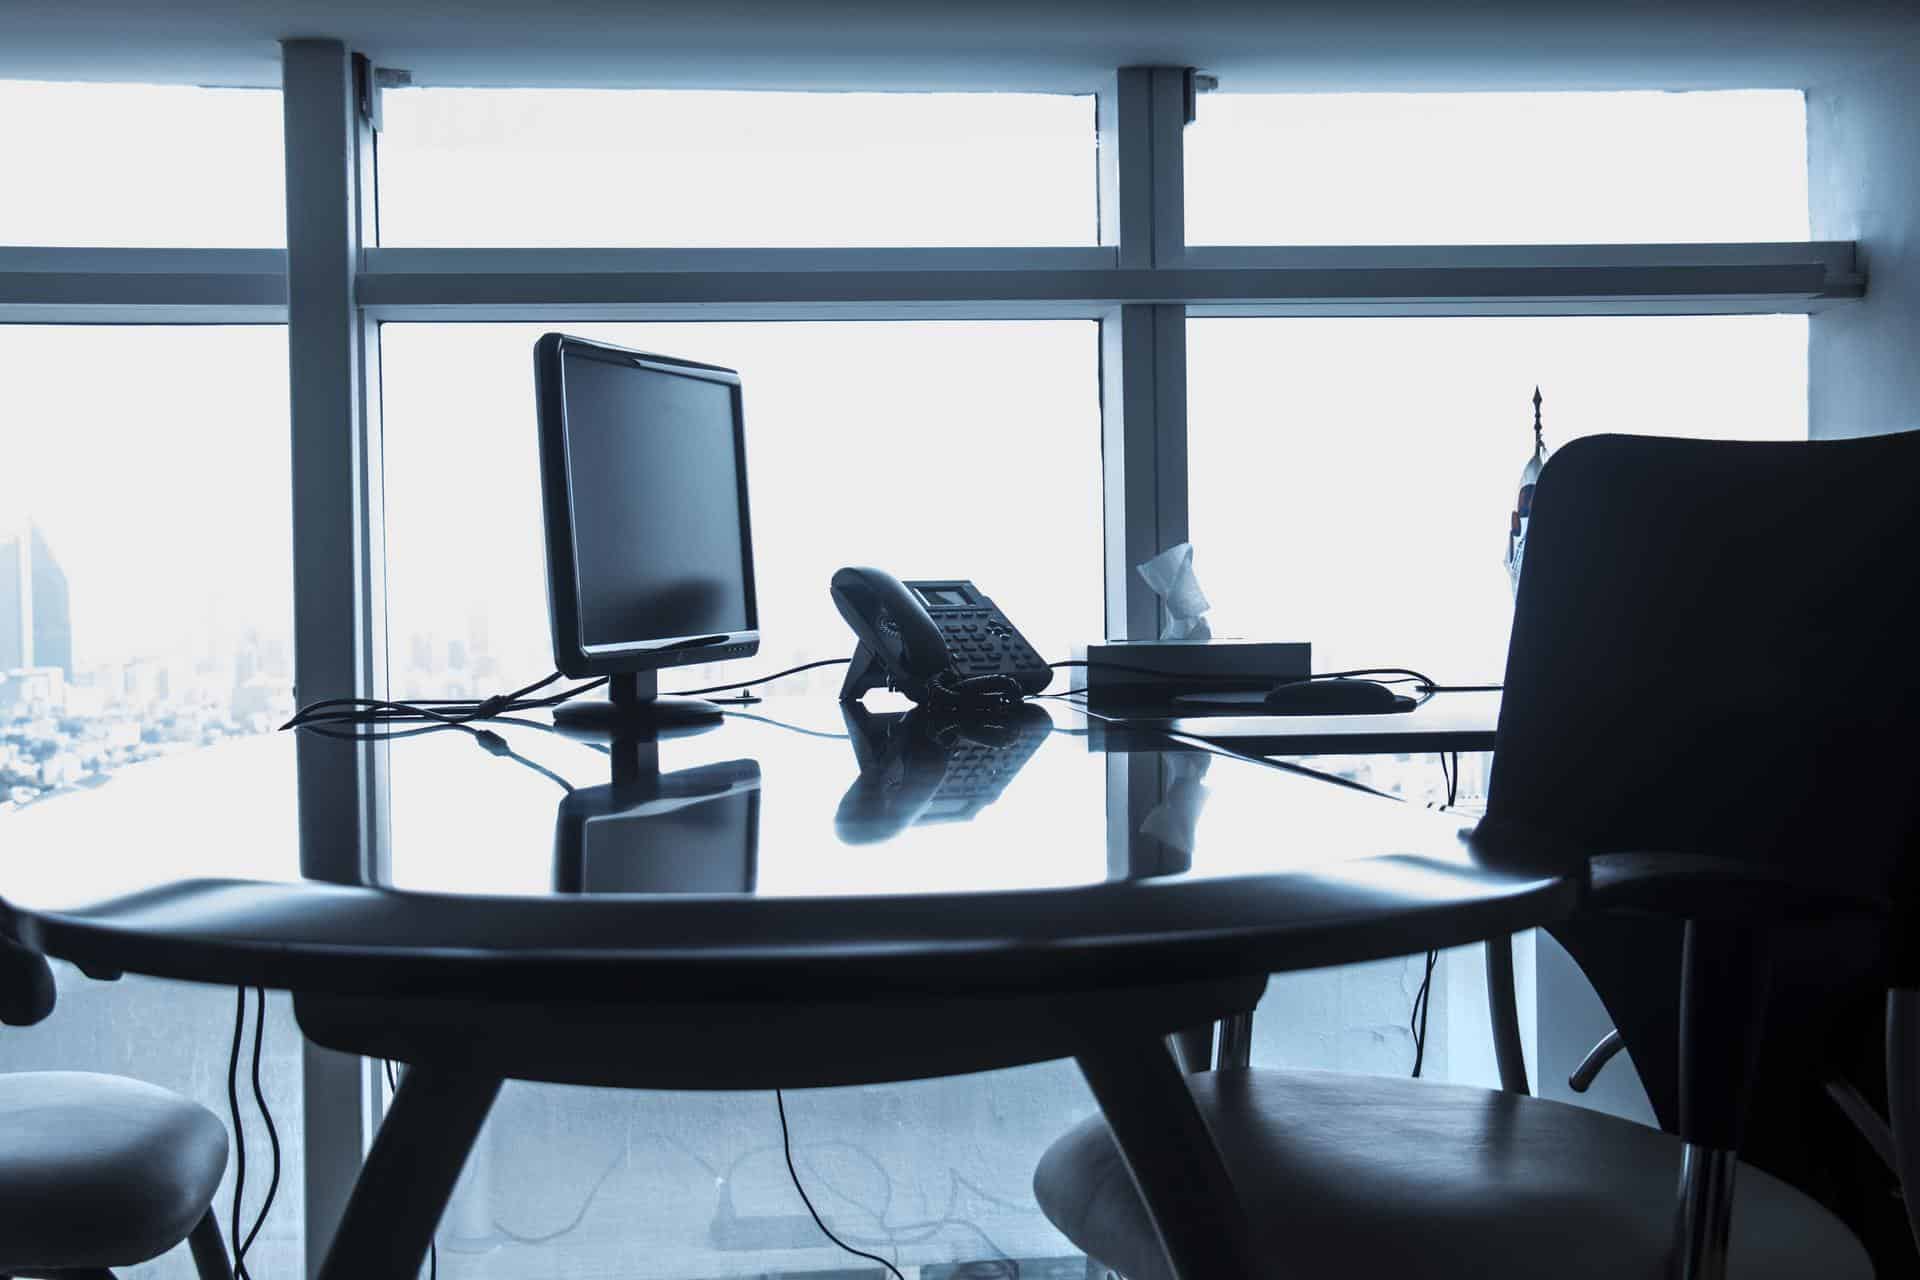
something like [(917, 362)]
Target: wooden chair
[(98, 1171), (1712, 692)]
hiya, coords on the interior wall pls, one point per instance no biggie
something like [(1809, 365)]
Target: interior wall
[(1863, 155)]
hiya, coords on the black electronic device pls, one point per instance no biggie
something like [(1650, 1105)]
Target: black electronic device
[(649, 554), (1144, 677), (1333, 697), (689, 831), (924, 766), (941, 643)]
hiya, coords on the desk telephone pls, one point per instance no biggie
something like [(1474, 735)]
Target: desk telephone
[(941, 643)]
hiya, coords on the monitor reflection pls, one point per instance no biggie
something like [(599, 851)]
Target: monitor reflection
[(689, 831)]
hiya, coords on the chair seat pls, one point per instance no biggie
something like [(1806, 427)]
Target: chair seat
[(1362, 1176), (100, 1171)]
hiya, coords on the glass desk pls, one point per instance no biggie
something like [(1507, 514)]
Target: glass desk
[(805, 895)]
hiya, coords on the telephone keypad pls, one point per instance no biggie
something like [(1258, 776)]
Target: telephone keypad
[(983, 644)]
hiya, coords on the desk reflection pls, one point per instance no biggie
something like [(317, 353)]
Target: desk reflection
[(921, 766)]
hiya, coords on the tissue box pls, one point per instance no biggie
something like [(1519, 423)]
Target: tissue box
[(1182, 666)]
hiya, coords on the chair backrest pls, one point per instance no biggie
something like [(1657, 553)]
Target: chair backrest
[(1716, 649)]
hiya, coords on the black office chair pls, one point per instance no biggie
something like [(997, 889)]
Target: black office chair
[(98, 1171), (1711, 692)]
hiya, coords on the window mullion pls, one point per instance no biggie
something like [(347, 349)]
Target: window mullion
[(338, 647), (1143, 346)]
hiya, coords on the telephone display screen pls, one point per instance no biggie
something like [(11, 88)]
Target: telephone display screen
[(943, 595), (659, 529)]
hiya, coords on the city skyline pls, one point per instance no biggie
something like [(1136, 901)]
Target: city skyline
[(64, 726)]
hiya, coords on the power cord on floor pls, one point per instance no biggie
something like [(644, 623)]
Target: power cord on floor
[(239, 1244), (1417, 1021), (1423, 998), (239, 1132), (786, 1145)]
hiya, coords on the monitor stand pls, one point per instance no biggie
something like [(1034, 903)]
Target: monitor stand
[(633, 704)]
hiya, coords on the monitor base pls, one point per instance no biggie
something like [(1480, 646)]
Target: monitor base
[(649, 713)]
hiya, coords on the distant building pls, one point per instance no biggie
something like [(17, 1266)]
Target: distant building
[(32, 691), (36, 626)]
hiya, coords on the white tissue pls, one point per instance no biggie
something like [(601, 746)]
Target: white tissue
[(1170, 574), (1175, 821)]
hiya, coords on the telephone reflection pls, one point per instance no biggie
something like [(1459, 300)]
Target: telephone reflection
[(942, 643), (922, 766)]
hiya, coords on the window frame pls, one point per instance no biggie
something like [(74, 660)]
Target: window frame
[(334, 285)]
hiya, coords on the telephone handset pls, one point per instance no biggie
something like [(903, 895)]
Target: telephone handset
[(941, 643)]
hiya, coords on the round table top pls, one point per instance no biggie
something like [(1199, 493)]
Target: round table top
[(800, 845)]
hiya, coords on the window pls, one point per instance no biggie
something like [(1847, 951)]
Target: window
[(1497, 168), (141, 166), (674, 169), (936, 1174), (147, 498), (939, 449), (177, 1035), (1346, 478), (1351, 479), (145, 522)]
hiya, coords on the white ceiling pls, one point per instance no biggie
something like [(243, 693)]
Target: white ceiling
[(1056, 44)]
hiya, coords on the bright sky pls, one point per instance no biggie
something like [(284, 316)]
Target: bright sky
[(1333, 461)]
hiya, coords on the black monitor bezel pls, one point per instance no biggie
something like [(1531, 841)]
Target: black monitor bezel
[(572, 656)]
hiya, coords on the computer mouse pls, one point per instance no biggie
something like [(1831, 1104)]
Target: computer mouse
[(1333, 698)]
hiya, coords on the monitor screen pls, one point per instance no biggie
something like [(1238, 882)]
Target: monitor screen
[(658, 521)]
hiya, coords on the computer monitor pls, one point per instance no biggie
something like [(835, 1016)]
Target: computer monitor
[(649, 556)]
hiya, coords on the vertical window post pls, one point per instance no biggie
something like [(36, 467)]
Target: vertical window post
[(1143, 348), (339, 626)]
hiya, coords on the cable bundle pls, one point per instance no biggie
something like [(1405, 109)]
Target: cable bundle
[(437, 713)]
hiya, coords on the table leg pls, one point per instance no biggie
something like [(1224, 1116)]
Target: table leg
[(1193, 1048), (403, 1187), (1176, 1167)]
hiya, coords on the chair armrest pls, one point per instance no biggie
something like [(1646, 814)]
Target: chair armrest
[(26, 985), (1690, 886), (1730, 909)]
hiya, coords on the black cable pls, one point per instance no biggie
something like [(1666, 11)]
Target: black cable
[(778, 675), (494, 744), (1407, 675), (1417, 1021), (455, 711), (567, 695), (448, 710), (786, 1145), (782, 724), (1423, 998), (260, 1099), (547, 1237), (239, 1132), (488, 740)]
